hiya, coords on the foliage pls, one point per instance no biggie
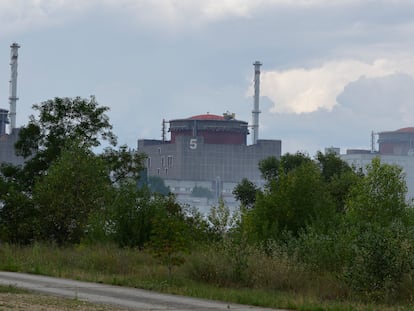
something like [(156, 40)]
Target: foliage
[(58, 121), (220, 219), (331, 165), (123, 164), (157, 185), (245, 192), (293, 202), (76, 184), (339, 177), (202, 192), (169, 235), (63, 185), (18, 217), (290, 162), (381, 258), (380, 197), (381, 232), (269, 168), (133, 213)]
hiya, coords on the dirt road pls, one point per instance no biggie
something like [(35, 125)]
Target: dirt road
[(131, 298)]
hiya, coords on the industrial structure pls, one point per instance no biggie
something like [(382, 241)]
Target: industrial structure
[(9, 138), (394, 147), (399, 142), (209, 151)]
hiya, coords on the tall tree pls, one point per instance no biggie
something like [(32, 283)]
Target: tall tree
[(76, 185), (62, 180), (379, 197), (58, 121), (245, 192), (339, 177), (297, 199)]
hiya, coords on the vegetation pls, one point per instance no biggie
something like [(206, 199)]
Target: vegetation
[(202, 192), (318, 236)]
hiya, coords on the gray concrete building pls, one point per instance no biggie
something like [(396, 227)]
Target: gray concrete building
[(394, 147), (7, 141), (208, 151)]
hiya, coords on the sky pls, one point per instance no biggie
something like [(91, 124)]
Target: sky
[(333, 70)]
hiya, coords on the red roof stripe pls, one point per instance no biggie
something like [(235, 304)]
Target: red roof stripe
[(206, 117)]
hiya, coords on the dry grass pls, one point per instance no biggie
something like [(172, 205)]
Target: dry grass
[(212, 273), (35, 302)]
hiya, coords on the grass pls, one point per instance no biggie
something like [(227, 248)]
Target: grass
[(13, 298), (206, 274), (12, 290)]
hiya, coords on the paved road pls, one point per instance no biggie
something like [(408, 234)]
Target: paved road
[(134, 299)]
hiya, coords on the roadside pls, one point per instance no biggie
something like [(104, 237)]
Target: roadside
[(132, 298), (39, 302)]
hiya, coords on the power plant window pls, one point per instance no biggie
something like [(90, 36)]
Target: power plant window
[(149, 162), (158, 171), (170, 161)]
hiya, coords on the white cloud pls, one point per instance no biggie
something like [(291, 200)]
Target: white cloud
[(302, 90), (21, 15)]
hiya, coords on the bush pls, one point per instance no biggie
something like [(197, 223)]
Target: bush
[(382, 259)]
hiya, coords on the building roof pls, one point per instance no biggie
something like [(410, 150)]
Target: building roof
[(406, 130), (206, 117)]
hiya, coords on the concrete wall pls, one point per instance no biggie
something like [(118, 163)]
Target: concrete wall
[(189, 158), (7, 151)]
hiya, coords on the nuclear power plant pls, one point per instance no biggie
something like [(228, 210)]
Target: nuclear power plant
[(394, 147), (8, 117), (209, 151)]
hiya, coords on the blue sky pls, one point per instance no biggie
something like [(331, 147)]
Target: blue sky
[(332, 71)]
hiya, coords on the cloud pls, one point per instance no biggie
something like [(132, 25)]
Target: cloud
[(305, 90), (22, 15)]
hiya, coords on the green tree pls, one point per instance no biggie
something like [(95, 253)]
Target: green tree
[(201, 192), (339, 177), (290, 162), (76, 184), (157, 185), (123, 164), (133, 212), (220, 219), (379, 197), (58, 121), (62, 181), (18, 217), (169, 239), (296, 200), (380, 235), (272, 167), (269, 168), (245, 192)]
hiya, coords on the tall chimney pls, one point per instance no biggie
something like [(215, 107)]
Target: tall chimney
[(13, 85), (256, 111)]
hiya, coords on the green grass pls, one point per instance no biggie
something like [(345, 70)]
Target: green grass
[(266, 282), (12, 289)]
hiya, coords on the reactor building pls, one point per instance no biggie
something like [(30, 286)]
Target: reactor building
[(209, 151), (8, 118), (394, 147)]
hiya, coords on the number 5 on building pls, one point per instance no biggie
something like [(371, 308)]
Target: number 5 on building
[(193, 143)]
